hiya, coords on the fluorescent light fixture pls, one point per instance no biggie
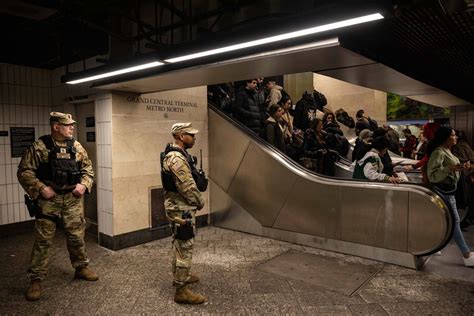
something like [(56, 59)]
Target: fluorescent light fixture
[(281, 37), (117, 72)]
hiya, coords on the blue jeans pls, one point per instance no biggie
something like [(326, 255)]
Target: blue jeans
[(458, 237)]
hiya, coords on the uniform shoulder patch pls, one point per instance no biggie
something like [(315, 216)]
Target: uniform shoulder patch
[(179, 168)]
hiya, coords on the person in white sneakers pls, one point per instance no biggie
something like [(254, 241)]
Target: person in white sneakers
[(443, 173)]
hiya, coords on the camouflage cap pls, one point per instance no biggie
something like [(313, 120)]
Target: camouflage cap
[(181, 128), (61, 118)]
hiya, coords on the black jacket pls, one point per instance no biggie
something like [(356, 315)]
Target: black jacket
[(305, 111), (247, 111)]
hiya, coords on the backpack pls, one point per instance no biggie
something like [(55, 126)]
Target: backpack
[(344, 118), (319, 99)]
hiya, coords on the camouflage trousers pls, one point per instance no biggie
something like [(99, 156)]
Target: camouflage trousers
[(70, 210), (182, 251)]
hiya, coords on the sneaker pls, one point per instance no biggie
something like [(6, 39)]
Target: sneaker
[(469, 262)]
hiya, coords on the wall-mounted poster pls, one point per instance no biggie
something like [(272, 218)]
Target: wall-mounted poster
[(403, 108), (20, 139)]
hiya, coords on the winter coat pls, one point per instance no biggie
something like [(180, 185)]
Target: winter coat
[(247, 111), (370, 167), (274, 134)]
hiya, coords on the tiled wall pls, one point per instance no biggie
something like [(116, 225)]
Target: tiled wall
[(27, 95), (103, 113), (25, 101)]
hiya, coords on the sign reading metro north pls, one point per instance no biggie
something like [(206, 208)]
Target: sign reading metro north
[(162, 105)]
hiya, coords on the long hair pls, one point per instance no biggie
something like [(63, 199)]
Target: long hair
[(441, 135)]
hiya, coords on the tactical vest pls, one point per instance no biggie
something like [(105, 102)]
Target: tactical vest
[(167, 177), (61, 168)]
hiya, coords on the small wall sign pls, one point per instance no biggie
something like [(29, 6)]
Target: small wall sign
[(90, 136), (21, 138)]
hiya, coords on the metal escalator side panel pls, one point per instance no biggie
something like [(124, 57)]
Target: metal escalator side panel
[(429, 224), (261, 185), (227, 147), (313, 209), (375, 217), (226, 213)]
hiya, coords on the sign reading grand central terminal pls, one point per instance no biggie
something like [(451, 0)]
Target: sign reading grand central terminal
[(162, 105)]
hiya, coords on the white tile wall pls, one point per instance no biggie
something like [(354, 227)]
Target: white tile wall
[(21, 105), (27, 95), (103, 114)]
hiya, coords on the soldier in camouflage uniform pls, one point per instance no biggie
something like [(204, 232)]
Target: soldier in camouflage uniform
[(181, 195), (56, 171)]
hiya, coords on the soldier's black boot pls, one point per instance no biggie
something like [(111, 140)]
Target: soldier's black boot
[(34, 290), (86, 274), (184, 295)]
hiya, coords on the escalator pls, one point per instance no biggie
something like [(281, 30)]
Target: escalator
[(257, 189)]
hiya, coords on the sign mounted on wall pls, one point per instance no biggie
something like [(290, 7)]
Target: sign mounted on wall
[(163, 105), (3, 133), (90, 121), (21, 138), (90, 136)]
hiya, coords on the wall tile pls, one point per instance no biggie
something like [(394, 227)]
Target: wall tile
[(4, 210), (21, 212), (3, 193), (2, 155), (9, 193), (15, 190), (11, 94), (3, 177), (18, 114), (16, 212), (8, 174), (6, 113), (5, 97)]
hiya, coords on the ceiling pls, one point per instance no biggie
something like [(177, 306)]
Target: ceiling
[(430, 41)]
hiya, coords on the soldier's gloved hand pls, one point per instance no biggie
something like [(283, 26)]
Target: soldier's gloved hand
[(79, 190), (48, 193)]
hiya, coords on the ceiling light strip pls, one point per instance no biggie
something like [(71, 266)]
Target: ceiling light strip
[(281, 37), (117, 72)]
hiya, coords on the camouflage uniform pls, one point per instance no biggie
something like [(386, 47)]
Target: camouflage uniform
[(188, 198), (64, 205)]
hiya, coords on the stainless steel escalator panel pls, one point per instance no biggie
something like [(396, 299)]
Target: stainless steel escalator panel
[(375, 217), (313, 208), (228, 214), (227, 147), (261, 185), (425, 222)]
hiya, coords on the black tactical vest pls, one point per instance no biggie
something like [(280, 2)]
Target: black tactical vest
[(62, 167), (167, 177)]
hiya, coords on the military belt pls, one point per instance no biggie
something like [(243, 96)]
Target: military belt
[(63, 191)]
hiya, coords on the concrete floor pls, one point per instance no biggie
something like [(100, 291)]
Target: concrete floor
[(137, 280)]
